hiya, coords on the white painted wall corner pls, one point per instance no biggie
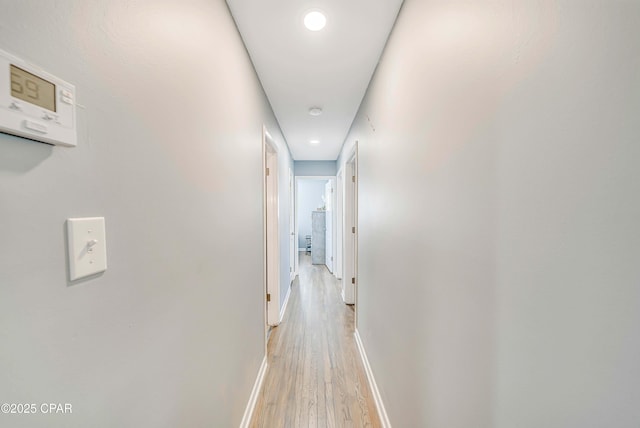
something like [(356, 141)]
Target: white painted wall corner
[(382, 413), (253, 398)]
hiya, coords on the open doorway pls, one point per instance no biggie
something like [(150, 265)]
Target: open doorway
[(315, 219)]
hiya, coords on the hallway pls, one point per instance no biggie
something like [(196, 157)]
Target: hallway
[(486, 161), (315, 375)]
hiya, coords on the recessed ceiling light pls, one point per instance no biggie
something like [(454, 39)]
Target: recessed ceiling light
[(315, 141), (315, 20), (315, 111)]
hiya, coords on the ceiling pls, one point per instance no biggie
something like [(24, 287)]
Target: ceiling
[(300, 69)]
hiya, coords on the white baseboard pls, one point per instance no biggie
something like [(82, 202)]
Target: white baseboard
[(286, 302), (253, 398), (382, 413)]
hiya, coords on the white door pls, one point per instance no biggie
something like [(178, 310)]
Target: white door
[(338, 192), (328, 200), (349, 279), (292, 227), (271, 244)]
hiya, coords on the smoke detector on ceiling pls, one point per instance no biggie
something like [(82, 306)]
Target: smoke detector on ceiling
[(315, 111)]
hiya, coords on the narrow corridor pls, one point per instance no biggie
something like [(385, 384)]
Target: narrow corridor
[(315, 376)]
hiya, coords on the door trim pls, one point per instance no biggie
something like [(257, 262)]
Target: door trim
[(292, 228), (350, 217), (339, 216), (270, 238)]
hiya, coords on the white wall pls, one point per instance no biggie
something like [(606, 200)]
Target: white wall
[(310, 193), (315, 168), (169, 128), (499, 198)]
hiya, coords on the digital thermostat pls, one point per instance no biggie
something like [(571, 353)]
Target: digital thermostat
[(34, 104)]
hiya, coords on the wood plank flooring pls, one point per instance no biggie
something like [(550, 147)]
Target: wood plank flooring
[(315, 377)]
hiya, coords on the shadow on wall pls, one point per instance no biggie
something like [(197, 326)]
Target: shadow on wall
[(19, 155)]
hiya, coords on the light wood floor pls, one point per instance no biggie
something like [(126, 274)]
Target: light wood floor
[(315, 377)]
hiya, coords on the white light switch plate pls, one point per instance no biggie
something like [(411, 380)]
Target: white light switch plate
[(87, 246)]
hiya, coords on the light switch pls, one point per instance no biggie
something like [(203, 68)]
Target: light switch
[(87, 246)]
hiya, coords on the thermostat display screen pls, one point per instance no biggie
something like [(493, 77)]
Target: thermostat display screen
[(32, 89)]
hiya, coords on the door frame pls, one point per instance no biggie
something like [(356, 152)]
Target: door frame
[(350, 238), (331, 264), (339, 215), (293, 267), (331, 178), (271, 240)]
